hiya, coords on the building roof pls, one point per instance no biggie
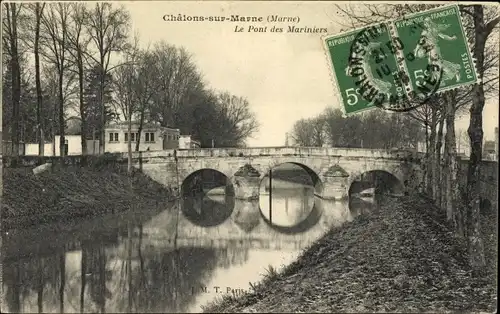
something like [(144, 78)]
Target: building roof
[(123, 125)]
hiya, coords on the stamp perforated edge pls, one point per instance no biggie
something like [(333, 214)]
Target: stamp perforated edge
[(390, 23), (468, 42), (401, 66), (331, 67)]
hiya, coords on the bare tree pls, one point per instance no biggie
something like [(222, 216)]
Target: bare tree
[(236, 118), (146, 88), (482, 30), (108, 28), (125, 81), (302, 133), (55, 39), (452, 193), (37, 9), (437, 160), (179, 80), (78, 43), (320, 135), (10, 41)]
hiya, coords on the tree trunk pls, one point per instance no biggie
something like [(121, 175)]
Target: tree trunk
[(129, 144), (102, 280), (83, 117), (53, 130), (139, 131), (15, 80), (129, 266), (432, 155), (62, 139), (438, 175), (15, 302), (84, 279), (40, 285), (453, 209), (39, 109), (475, 131), (141, 258), (62, 269), (427, 158), (102, 137), (40, 296)]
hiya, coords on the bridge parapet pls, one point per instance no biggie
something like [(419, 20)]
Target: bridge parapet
[(277, 151)]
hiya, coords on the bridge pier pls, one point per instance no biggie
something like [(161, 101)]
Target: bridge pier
[(245, 215), (335, 183), (246, 182), (334, 189)]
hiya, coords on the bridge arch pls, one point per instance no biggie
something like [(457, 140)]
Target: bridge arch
[(207, 211), (313, 174), (294, 207), (383, 180), (206, 178)]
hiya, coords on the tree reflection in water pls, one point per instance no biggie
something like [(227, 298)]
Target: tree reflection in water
[(164, 281), (128, 277), (37, 278), (125, 270)]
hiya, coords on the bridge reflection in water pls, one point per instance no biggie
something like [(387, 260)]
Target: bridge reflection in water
[(170, 261)]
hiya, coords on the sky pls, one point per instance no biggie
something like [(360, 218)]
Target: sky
[(284, 76)]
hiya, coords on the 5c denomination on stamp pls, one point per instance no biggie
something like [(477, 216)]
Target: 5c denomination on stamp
[(444, 32), (353, 68)]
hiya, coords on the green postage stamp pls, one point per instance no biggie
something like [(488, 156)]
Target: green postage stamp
[(399, 64)]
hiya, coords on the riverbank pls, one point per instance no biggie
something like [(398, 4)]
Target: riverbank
[(65, 193), (399, 258)]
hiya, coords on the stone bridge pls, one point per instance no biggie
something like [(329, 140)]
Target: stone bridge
[(331, 169)]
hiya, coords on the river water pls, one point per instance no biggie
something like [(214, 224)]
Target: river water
[(171, 260)]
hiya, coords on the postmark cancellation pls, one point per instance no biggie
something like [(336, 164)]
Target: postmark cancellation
[(400, 64)]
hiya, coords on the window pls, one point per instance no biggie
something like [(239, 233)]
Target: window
[(134, 137), (126, 137), (150, 137), (113, 137)]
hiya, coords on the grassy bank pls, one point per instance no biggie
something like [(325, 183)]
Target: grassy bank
[(63, 194), (399, 258)]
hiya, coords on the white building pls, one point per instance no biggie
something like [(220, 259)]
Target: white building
[(73, 147), (186, 142), (153, 137)]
